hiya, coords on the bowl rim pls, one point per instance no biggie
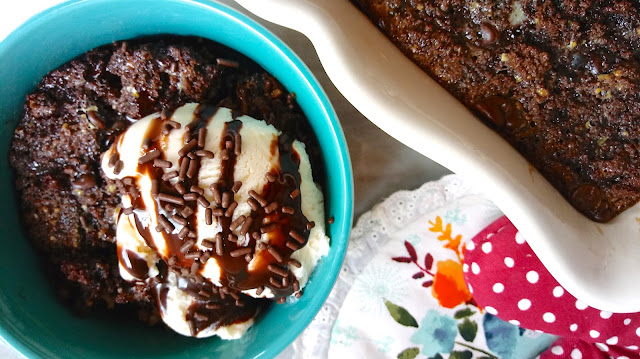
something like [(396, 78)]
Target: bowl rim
[(339, 245)]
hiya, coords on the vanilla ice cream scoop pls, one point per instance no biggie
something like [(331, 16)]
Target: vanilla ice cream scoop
[(217, 209)]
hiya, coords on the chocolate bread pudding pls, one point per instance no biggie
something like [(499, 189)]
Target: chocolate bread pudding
[(171, 177), (559, 80)]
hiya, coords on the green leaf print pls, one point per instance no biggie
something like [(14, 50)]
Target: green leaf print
[(468, 330), (409, 353), (463, 313), (461, 355), (400, 315)]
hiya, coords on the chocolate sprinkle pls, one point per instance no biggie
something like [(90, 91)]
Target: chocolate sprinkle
[(263, 202), (215, 189), (240, 252), (208, 216), (180, 220), (186, 211), (227, 63), (310, 225), (208, 244), (274, 252), (294, 193), (164, 222), (196, 189), (149, 157), (188, 147), (113, 159), (202, 134), (237, 222), (218, 212), (184, 166), (270, 177), (229, 211), (236, 186), (118, 167), (238, 144), (200, 317), (193, 167), (294, 263), (245, 226), (226, 199), (292, 245), (281, 300), (190, 197), (169, 175), (277, 270), (259, 290), (271, 207), (155, 188), (204, 153), (160, 163), (146, 144), (331, 220), (295, 235), (165, 197), (288, 210), (269, 228), (180, 188), (183, 232), (192, 255), (203, 202)]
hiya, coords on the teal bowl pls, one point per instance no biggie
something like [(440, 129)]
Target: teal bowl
[(31, 319)]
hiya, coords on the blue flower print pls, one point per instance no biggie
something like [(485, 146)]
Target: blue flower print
[(437, 334)]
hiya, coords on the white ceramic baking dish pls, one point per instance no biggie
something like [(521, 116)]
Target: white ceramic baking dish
[(597, 263)]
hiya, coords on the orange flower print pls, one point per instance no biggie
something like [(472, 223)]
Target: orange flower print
[(448, 286), (447, 280)]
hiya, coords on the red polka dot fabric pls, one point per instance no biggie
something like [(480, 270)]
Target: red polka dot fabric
[(509, 281)]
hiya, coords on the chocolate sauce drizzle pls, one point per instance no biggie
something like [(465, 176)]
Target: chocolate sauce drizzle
[(276, 214)]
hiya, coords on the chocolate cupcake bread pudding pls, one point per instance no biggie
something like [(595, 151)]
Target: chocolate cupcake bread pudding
[(559, 80), (170, 177)]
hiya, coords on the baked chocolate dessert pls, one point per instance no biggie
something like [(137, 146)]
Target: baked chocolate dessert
[(559, 80), (69, 204)]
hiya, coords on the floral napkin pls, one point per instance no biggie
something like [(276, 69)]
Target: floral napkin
[(439, 272), (411, 299)]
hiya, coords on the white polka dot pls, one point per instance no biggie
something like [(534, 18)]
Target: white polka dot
[(508, 261), (602, 347), (573, 327), (498, 288), (605, 315), (491, 310), (558, 291), (638, 332), (627, 321), (532, 277), (475, 268), (519, 238), (486, 247), (612, 341), (594, 334), (549, 317), (557, 350), (632, 347), (525, 304), (514, 322), (623, 357), (465, 267), (581, 305), (576, 354), (470, 246)]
